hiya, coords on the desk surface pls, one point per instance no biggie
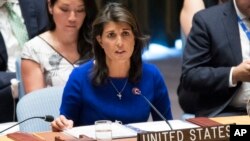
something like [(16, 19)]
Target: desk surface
[(50, 136), (233, 119)]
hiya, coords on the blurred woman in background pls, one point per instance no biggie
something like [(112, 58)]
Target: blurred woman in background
[(49, 58)]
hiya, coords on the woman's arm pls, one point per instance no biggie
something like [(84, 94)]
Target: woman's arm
[(32, 75)]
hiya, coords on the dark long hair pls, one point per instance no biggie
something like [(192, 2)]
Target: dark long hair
[(84, 45), (117, 13)]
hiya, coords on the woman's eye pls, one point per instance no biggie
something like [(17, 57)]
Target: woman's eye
[(111, 35), (80, 10), (64, 9), (125, 33)]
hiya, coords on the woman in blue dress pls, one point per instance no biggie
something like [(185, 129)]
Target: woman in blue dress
[(111, 86)]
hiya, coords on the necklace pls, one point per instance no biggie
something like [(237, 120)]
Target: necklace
[(119, 93)]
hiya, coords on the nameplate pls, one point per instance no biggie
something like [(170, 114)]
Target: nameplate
[(211, 133)]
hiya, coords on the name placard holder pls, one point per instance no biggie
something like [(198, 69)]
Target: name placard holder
[(210, 133)]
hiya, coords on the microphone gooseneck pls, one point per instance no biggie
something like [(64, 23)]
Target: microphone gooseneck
[(47, 118), (137, 91)]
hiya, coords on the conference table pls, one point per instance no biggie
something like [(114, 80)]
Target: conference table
[(50, 136)]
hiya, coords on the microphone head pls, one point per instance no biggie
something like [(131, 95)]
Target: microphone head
[(136, 91), (49, 118)]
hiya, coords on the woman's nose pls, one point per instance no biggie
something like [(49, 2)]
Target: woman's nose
[(72, 16), (118, 41)]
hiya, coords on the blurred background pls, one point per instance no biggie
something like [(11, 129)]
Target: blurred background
[(160, 20)]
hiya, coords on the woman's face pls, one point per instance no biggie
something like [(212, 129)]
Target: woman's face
[(244, 7), (68, 15), (117, 40)]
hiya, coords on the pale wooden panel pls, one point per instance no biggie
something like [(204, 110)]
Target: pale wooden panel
[(233, 119)]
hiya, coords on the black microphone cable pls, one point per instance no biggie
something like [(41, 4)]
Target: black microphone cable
[(137, 91), (47, 118)]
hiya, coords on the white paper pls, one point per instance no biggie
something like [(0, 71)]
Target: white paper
[(118, 131), (155, 126), (131, 130), (6, 125)]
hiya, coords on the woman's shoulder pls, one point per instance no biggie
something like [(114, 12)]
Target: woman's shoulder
[(150, 72), (149, 68), (37, 49), (34, 40), (34, 45), (85, 66), (37, 39), (83, 71)]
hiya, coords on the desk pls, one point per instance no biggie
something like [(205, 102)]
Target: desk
[(50, 136), (233, 119)]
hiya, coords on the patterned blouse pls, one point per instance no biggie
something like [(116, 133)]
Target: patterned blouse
[(53, 64)]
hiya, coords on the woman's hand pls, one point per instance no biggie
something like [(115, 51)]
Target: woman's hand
[(61, 123)]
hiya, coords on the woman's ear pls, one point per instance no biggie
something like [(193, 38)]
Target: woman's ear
[(98, 38), (50, 7)]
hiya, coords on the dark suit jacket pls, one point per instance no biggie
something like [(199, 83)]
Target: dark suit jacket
[(36, 20), (213, 47)]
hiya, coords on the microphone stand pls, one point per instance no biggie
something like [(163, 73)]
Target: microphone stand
[(46, 118), (152, 106), (137, 91)]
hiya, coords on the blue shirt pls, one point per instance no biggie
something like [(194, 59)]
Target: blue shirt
[(85, 103)]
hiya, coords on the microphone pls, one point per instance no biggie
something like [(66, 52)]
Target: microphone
[(47, 118), (137, 91)]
